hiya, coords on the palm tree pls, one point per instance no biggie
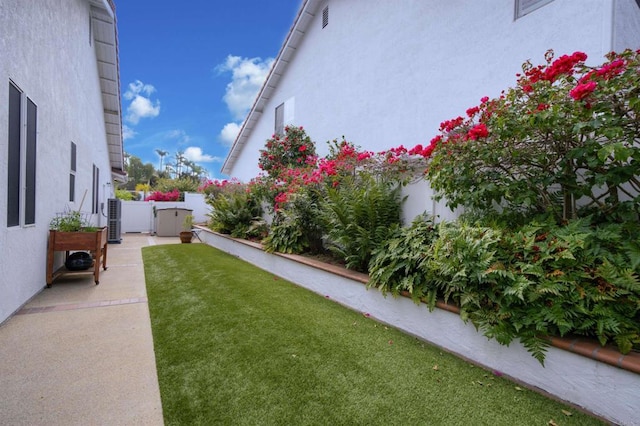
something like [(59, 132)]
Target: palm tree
[(161, 153), (179, 163)]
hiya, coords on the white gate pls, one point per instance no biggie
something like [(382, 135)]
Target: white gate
[(139, 216)]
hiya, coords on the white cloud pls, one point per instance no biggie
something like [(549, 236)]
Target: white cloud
[(127, 132), (141, 105), (180, 135), (195, 154), (138, 87), (229, 133), (247, 77)]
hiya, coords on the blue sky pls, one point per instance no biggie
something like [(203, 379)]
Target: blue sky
[(189, 72)]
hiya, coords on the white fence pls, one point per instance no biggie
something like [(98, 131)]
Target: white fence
[(139, 216)]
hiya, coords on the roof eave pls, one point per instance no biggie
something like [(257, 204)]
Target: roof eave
[(105, 36), (303, 19)]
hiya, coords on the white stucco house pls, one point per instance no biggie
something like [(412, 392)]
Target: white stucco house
[(60, 129), (385, 73)]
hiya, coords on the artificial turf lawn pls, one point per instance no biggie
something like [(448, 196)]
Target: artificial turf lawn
[(236, 345)]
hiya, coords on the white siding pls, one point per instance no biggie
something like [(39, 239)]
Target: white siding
[(386, 73), (46, 51)]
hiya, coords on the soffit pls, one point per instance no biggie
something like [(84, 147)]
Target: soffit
[(105, 37)]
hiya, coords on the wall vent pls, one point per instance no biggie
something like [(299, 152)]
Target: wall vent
[(524, 7), (325, 17)]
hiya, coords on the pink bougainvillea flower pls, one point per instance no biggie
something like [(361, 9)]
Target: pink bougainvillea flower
[(583, 90), (416, 150), (449, 125), (478, 131), (473, 111), (612, 69), (563, 65)]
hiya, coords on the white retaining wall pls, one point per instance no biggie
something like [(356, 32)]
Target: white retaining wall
[(607, 391)]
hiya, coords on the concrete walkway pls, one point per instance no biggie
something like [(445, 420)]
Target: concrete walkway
[(81, 354)]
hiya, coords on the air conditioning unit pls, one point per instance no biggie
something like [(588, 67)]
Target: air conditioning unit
[(114, 213)]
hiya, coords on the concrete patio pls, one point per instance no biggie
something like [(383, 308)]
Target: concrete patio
[(79, 354)]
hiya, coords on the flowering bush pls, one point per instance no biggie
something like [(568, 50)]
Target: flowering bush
[(235, 210), (551, 169), (294, 149), (212, 187), (311, 199), (173, 195), (563, 141)]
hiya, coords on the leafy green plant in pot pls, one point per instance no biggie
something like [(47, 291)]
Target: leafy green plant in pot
[(71, 221), (187, 225)]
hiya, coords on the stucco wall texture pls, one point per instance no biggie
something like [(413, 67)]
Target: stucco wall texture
[(48, 53), (385, 73)]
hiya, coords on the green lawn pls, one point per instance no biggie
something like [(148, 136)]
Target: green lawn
[(236, 345)]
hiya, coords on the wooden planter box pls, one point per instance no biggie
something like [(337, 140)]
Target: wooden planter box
[(94, 242)]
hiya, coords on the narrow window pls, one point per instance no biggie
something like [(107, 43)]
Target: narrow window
[(21, 159), (524, 7), (72, 174), (279, 128), (13, 158), (96, 188), (325, 17), (30, 164)]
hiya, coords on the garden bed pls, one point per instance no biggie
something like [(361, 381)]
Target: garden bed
[(579, 371)]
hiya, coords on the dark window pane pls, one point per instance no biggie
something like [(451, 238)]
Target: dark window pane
[(72, 187), (96, 188), (30, 169), (13, 158), (279, 129), (73, 157)]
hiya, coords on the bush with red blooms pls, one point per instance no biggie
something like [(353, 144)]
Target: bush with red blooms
[(173, 195), (564, 141)]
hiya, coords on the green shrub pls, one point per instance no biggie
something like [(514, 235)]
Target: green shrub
[(360, 214), (123, 194), (396, 265), (297, 225), (235, 212), (182, 185), (539, 280)]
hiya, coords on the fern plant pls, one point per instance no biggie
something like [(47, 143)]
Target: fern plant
[(234, 212), (297, 226), (361, 213), (396, 266)]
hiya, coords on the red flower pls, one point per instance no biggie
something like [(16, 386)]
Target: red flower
[(473, 111), (583, 90), (611, 70), (302, 148), (478, 131)]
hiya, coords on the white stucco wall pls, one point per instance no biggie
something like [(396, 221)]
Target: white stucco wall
[(384, 73), (626, 25), (47, 52)]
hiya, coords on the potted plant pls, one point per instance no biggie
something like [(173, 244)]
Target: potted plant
[(71, 231), (187, 226)]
